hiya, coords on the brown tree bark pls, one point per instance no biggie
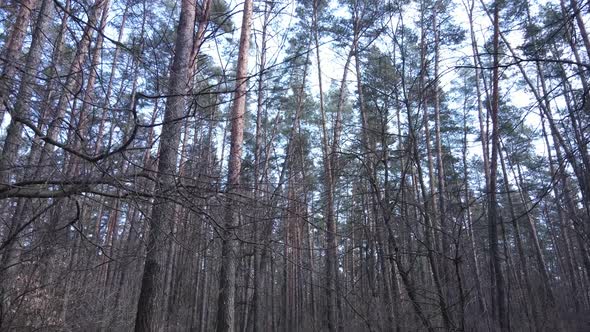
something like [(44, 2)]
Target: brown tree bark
[(11, 52), (106, 104), (149, 307), (22, 107), (468, 202), (260, 243), (227, 276), (501, 316)]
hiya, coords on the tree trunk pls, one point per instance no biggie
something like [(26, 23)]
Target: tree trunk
[(11, 52), (149, 307), (22, 107), (256, 316), (227, 276), (501, 315)]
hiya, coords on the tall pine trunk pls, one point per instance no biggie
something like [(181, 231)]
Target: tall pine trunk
[(149, 309), (227, 276), (500, 313)]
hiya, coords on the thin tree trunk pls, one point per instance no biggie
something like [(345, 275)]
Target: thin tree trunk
[(473, 250), (22, 107), (256, 318), (227, 276), (563, 227), (581, 26), (493, 217), (11, 52), (107, 97), (439, 154), (523, 266)]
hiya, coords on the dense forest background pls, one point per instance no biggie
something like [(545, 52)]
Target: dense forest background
[(294, 165)]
